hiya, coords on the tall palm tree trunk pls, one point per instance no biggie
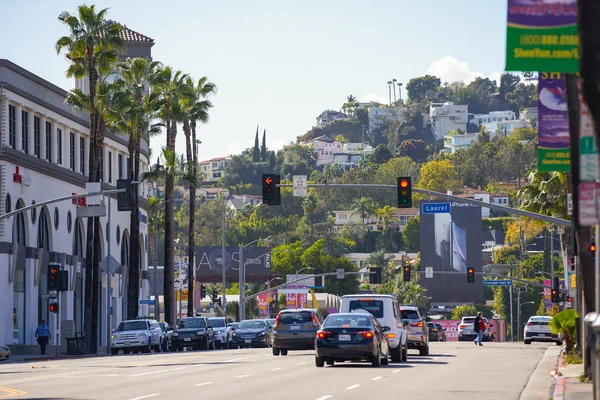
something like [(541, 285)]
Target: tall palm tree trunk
[(169, 260), (191, 157), (133, 286)]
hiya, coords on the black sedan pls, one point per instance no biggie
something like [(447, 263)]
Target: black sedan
[(195, 332), (253, 333), (351, 337)]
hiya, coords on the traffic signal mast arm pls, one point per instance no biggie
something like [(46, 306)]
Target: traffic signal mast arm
[(510, 210)]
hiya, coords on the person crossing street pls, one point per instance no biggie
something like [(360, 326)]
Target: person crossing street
[(479, 328)]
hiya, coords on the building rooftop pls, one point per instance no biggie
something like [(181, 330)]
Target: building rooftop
[(131, 36)]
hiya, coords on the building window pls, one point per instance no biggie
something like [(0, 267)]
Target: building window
[(48, 141), (36, 136), (72, 151), (110, 167), (101, 166), (82, 155), (59, 146), (25, 132), (120, 161), (12, 126)]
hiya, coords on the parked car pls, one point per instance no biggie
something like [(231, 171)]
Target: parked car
[(253, 333), (136, 335), (385, 309), (418, 337), (433, 332), (219, 325), (4, 353), (194, 332), (295, 329), (537, 329), (441, 332), (166, 337), (352, 337)]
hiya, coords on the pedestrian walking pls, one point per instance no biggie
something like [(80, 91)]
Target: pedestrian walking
[(42, 333), (479, 328)]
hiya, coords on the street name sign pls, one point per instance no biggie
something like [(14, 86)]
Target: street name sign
[(147, 302), (48, 296), (435, 208), (300, 186), (497, 282)]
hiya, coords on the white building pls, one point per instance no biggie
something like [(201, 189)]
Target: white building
[(459, 142), (492, 198), (379, 115), (328, 116), (44, 148), (504, 128), (529, 114), (373, 222), (446, 117), (328, 151), (492, 116), (213, 169)]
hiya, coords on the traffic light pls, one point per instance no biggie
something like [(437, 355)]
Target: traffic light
[(554, 292), (593, 248), (569, 299), (125, 199), (375, 275), (214, 295), (406, 270), (53, 307), (202, 291), (270, 191), (470, 275), (53, 277), (404, 192)]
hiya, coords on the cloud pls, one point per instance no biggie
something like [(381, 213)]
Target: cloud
[(449, 69), (234, 148), (374, 97), (277, 144)]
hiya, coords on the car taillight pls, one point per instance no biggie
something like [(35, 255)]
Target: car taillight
[(462, 326), (367, 334), (390, 335), (323, 334), (314, 320), (529, 324), (276, 321), (417, 324)]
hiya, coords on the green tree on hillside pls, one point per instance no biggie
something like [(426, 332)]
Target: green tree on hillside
[(418, 88)]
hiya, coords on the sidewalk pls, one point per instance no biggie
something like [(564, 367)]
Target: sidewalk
[(16, 358), (568, 386), (540, 382)]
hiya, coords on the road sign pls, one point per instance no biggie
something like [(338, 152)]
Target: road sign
[(48, 296), (112, 262), (300, 188), (435, 208), (588, 214), (497, 282), (293, 291), (340, 273), (151, 302), (428, 272), (569, 204), (307, 279)]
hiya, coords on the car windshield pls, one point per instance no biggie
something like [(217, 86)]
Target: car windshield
[(217, 322), (410, 314), (132, 326), (191, 323), (429, 324), (439, 327), (233, 326), (348, 321), (375, 307), (251, 325), (300, 317), (162, 326)]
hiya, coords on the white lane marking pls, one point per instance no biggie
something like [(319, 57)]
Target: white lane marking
[(145, 397), (352, 387), (396, 370), (243, 376), (274, 369), (152, 372), (325, 397), (377, 378), (268, 355), (233, 359), (301, 363), (203, 384)]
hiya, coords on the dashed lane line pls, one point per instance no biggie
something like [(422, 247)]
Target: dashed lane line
[(396, 371), (152, 372), (301, 363), (325, 397), (243, 376), (274, 369), (145, 397), (377, 378), (203, 384), (352, 387)]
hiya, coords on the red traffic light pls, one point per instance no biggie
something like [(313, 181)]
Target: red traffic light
[(268, 181), (403, 183), (593, 247), (54, 270), (53, 307), (570, 299)]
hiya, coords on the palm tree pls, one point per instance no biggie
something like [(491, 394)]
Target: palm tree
[(169, 88), (155, 219), (351, 99), (363, 207), (196, 110), (310, 207), (91, 47), (386, 214)]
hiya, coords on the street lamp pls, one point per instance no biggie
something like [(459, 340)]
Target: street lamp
[(242, 276), (519, 317), (298, 272), (269, 282)]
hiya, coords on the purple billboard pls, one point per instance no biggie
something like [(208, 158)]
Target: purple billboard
[(553, 124)]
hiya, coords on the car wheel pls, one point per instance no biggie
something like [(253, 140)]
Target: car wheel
[(376, 361), (424, 351), (527, 341), (284, 352), (275, 351), (405, 355), (330, 362), (319, 361), (114, 351), (126, 351), (386, 359), (205, 344), (559, 343), (166, 346), (396, 354), (148, 348)]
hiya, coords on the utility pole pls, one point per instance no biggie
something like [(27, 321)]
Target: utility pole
[(109, 283), (156, 305), (223, 263)]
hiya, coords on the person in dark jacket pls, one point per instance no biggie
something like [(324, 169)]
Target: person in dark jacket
[(42, 333), (479, 328)]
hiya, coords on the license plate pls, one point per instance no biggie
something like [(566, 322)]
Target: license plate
[(248, 340), (344, 338), (187, 339), (127, 343), (295, 327)]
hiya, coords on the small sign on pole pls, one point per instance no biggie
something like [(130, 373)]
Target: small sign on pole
[(428, 272), (340, 273), (300, 186)]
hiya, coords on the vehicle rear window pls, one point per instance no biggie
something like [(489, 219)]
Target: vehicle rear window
[(410, 314), (217, 322), (132, 326), (538, 322), (375, 307), (250, 324), (358, 321), (468, 320), (191, 323), (300, 317)]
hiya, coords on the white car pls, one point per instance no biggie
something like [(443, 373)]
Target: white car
[(537, 329), (219, 325), (136, 335), (4, 353), (385, 308)]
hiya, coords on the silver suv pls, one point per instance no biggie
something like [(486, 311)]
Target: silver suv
[(416, 326), (136, 335)]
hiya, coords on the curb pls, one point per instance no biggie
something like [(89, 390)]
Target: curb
[(558, 390), (63, 357)]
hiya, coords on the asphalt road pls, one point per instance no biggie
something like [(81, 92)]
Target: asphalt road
[(452, 371)]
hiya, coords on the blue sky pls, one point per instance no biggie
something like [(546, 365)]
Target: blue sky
[(278, 64)]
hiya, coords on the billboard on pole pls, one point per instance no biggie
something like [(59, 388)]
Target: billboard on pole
[(209, 263), (452, 242)]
